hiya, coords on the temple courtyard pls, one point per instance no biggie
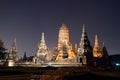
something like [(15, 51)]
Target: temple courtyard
[(59, 73)]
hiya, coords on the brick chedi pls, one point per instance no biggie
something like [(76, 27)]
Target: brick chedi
[(14, 51), (42, 51), (64, 47), (97, 51), (12, 55), (84, 54)]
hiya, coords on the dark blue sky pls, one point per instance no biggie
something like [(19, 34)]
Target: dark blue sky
[(27, 19)]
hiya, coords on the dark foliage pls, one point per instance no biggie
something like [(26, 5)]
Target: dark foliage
[(3, 52)]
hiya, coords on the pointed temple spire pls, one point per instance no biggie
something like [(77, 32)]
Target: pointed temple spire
[(13, 53), (84, 33), (97, 51), (84, 43), (42, 43), (84, 30), (42, 51), (25, 57), (96, 41), (14, 50), (43, 38), (106, 58), (105, 53), (14, 46), (85, 48)]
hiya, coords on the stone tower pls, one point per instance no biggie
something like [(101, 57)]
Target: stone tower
[(105, 58), (13, 55), (85, 48), (97, 51), (14, 51), (42, 51), (63, 36), (10, 60), (24, 57), (104, 50), (64, 44)]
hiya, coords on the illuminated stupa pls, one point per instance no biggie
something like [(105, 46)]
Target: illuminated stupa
[(12, 57), (100, 55), (42, 51), (97, 51), (64, 48), (84, 54), (10, 60), (14, 51), (104, 50)]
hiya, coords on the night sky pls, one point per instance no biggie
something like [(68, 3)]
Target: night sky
[(27, 19)]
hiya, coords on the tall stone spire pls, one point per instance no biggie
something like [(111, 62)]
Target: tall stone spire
[(96, 42), (42, 51), (84, 31), (105, 57), (42, 43), (14, 51), (97, 52), (84, 43), (104, 50), (85, 48), (25, 57), (14, 45), (63, 40)]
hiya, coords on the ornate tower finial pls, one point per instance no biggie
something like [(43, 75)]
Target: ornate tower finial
[(96, 41), (84, 30), (14, 44), (42, 44), (43, 38)]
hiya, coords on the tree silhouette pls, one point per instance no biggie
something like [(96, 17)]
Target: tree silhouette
[(3, 52)]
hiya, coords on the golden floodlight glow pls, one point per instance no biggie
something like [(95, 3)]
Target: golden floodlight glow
[(63, 38), (97, 52)]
